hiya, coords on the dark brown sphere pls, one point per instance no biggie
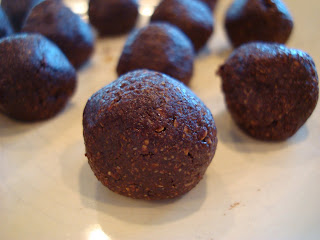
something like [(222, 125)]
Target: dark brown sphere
[(5, 26), (193, 17), (211, 3), (57, 22), (18, 10), (36, 79), (258, 20), (161, 47), (113, 17), (270, 90), (148, 136)]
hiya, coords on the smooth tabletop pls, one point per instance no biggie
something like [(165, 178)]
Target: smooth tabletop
[(252, 189)]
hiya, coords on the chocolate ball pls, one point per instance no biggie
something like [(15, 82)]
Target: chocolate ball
[(5, 26), (258, 20), (18, 10), (57, 22), (161, 47), (193, 17), (211, 3), (270, 90), (148, 136), (113, 17), (36, 79)]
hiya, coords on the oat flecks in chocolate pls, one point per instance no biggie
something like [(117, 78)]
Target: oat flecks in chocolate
[(161, 47), (147, 136), (258, 20), (112, 17), (5, 26), (270, 90), (193, 17), (36, 79), (57, 22)]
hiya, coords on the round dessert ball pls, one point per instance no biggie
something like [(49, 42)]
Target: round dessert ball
[(193, 17), (36, 79), (113, 17), (5, 26), (18, 10), (57, 22), (258, 20), (270, 90), (161, 47), (211, 3), (148, 136)]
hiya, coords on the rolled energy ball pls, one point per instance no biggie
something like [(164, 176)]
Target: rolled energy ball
[(18, 10), (57, 22), (258, 20), (211, 3), (148, 136), (113, 17), (193, 17), (5, 26), (36, 79), (270, 90), (161, 47)]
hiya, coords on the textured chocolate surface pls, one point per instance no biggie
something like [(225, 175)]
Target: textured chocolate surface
[(5, 26), (147, 136), (18, 10), (193, 17), (258, 20), (269, 89), (36, 79), (55, 21), (113, 17), (161, 47)]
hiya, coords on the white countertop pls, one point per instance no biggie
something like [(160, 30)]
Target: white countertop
[(252, 190)]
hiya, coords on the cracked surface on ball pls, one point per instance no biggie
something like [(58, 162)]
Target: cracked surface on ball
[(147, 136), (270, 90)]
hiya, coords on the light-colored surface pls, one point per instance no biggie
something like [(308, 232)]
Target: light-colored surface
[(252, 190)]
